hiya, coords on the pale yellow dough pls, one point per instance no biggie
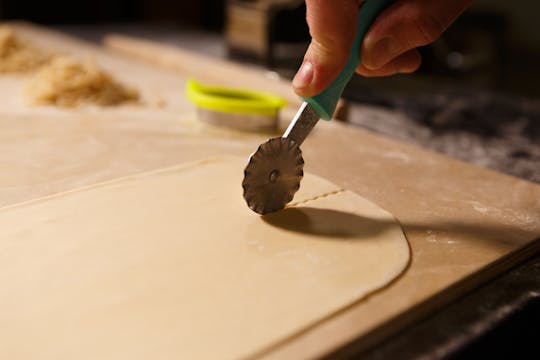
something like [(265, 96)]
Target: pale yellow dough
[(173, 265)]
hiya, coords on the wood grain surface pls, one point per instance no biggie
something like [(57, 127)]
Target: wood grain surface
[(465, 224)]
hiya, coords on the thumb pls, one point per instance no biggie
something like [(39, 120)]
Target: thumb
[(332, 25)]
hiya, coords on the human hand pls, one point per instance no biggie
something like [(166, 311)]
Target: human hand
[(388, 48)]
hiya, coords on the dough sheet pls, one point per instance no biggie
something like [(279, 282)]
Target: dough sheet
[(173, 265)]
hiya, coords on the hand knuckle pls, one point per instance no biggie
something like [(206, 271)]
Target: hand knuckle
[(427, 27)]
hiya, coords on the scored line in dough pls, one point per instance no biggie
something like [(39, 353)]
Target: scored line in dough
[(336, 192)]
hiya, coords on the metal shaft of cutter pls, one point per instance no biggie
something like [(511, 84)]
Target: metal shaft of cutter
[(302, 123)]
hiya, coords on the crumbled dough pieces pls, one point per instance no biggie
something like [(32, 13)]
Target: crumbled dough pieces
[(67, 82), (59, 80), (18, 56)]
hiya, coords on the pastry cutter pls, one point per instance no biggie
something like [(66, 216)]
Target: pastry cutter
[(273, 173), (235, 108)]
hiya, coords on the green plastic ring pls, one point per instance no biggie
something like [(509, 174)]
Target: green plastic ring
[(229, 100)]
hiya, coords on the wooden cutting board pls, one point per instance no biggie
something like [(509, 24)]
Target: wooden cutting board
[(465, 224)]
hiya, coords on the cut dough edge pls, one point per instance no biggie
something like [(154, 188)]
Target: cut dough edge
[(301, 196), (118, 180)]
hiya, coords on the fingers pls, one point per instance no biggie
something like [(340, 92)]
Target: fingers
[(405, 63), (387, 48), (332, 25), (406, 25)]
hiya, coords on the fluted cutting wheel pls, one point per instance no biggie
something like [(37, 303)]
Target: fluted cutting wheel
[(273, 175)]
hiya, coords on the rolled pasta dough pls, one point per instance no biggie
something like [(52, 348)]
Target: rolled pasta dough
[(173, 265)]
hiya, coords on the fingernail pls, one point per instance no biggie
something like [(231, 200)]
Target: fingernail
[(304, 76), (382, 52)]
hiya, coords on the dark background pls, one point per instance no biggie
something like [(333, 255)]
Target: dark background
[(202, 13)]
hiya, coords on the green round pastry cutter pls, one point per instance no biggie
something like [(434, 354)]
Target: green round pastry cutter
[(274, 171), (235, 108)]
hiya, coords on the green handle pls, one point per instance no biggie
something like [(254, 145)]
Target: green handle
[(325, 103)]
